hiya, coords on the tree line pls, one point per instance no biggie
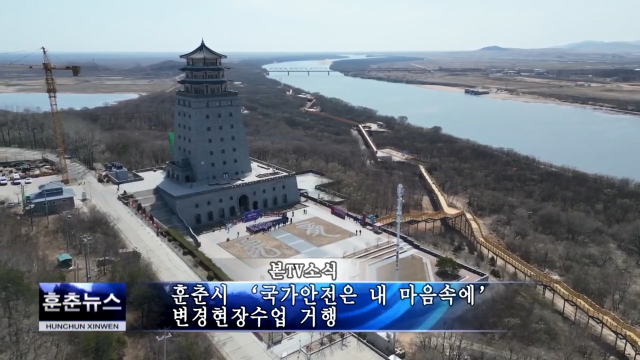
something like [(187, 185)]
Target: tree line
[(584, 228)]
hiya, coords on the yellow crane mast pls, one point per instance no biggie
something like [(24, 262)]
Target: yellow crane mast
[(53, 101)]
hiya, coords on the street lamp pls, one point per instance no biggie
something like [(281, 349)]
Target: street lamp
[(67, 217)]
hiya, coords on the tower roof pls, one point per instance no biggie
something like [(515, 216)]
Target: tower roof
[(203, 51)]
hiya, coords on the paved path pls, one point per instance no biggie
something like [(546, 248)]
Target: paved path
[(166, 264)]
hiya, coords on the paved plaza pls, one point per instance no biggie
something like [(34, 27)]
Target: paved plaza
[(314, 236)]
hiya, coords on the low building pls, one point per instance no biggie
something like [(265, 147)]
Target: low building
[(117, 171), (52, 198), (65, 261)]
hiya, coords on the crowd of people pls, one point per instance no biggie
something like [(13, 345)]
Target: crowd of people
[(267, 226)]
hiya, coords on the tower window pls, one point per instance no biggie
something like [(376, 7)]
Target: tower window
[(230, 197), (208, 128), (233, 138), (189, 152), (220, 127), (223, 151), (230, 114), (210, 152), (221, 139), (189, 128), (234, 149), (197, 206), (179, 137), (179, 148), (236, 173), (207, 116), (210, 141), (189, 118), (264, 191), (179, 113), (208, 202), (235, 161), (283, 186), (189, 140), (224, 163), (219, 116), (213, 164), (220, 200), (232, 126)]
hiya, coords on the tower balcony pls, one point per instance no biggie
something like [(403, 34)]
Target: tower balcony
[(192, 81), (198, 68), (205, 96)]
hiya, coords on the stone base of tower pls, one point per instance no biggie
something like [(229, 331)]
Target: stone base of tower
[(199, 205)]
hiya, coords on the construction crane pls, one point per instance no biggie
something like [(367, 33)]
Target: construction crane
[(53, 101)]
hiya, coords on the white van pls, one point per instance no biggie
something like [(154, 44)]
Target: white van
[(16, 179), (3, 180)]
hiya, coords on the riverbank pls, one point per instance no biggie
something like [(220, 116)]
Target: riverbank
[(618, 98), (527, 98)]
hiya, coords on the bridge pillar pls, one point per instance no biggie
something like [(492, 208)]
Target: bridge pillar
[(308, 73), (327, 73), (601, 329), (287, 73), (564, 303)]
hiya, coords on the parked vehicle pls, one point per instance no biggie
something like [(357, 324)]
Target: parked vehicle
[(10, 204), (16, 179), (3, 181), (27, 181)]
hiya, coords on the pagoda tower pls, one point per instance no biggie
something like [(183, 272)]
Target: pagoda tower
[(210, 143)]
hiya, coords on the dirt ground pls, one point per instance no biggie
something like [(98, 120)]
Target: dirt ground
[(258, 246), (601, 93), (88, 84), (318, 232), (412, 268)]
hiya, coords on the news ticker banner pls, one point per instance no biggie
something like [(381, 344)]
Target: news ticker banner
[(268, 306)]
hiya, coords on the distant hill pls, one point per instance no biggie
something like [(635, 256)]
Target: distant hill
[(603, 46), (494, 48), (168, 65)]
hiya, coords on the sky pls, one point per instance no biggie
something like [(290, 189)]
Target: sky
[(311, 25)]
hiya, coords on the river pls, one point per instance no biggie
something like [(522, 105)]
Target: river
[(586, 139)]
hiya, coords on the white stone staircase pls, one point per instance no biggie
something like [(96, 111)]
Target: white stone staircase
[(156, 206)]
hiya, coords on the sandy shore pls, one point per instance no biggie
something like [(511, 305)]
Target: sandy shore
[(526, 98)]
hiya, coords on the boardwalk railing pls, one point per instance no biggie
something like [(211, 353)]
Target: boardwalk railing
[(590, 308)]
